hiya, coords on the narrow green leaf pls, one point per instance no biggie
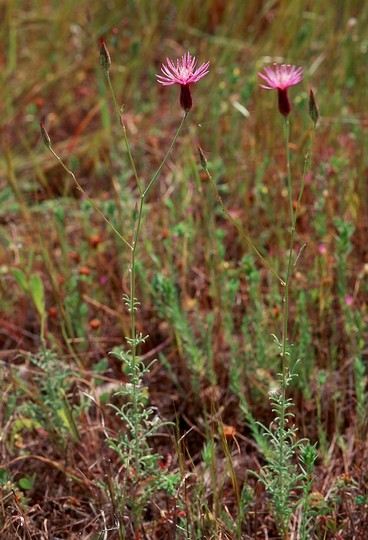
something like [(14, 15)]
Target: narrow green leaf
[(21, 279), (38, 293)]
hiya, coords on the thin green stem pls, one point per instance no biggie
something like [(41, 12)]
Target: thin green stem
[(285, 311), (293, 218), (79, 187), (132, 271), (119, 111), (166, 157), (240, 230), (285, 314), (307, 158), (290, 257)]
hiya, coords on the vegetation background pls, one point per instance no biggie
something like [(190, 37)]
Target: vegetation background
[(207, 304)]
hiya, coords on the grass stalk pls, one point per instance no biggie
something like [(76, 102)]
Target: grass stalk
[(240, 230), (133, 301), (120, 112), (79, 187)]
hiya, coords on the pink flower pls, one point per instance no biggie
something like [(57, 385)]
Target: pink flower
[(349, 300), (184, 74), (322, 249), (280, 78), (103, 280)]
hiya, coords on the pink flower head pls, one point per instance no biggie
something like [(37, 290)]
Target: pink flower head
[(349, 300), (184, 74), (280, 78)]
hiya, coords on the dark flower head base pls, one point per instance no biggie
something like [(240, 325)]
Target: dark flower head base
[(284, 103), (186, 101)]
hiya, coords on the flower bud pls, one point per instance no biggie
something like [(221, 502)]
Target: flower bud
[(313, 109), (202, 158), (105, 59), (45, 136)]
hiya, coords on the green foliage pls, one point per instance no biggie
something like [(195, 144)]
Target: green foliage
[(361, 386), (304, 345), (344, 246), (34, 287), (307, 459), (143, 472), (280, 475), (48, 405), (27, 482), (168, 301)]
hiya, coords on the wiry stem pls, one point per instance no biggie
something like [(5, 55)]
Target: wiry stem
[(307, 158), (241, 232), (285, 315), (293, 218), (285, 312), (79, 187), (119, 112), (132, 271), (290, 257)]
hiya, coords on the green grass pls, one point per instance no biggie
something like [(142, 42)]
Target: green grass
[(207, 303)]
